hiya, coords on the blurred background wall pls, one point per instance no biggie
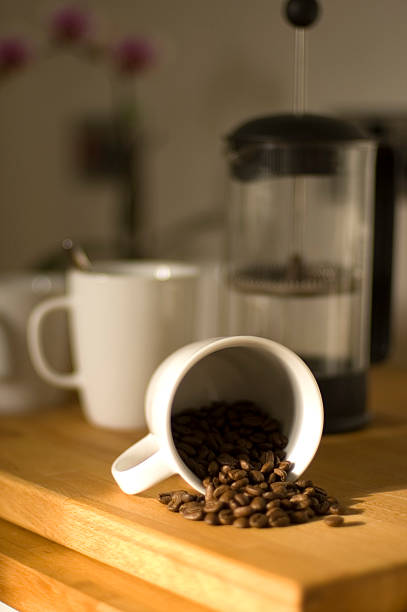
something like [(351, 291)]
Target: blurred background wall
[(219, 62)]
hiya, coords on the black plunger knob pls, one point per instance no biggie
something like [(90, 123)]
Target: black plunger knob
[(302, 13)]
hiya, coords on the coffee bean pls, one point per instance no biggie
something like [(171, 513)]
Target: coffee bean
[(239, 484), (282, 474), (220, 490), (194, 513), (271, 424), (242, 499), (275, 513), (280, 521), (243, 511), (285, 465), (244, 462), (252, 420), (175, 503), (189, 506), (226, 459), (299, 516), (227, 496), (241, 522), (237, 474), (280, 440), (287, 504), (280, 493), (254, 490), (309, 491), (211, 518), (323, 507), (334, 520), (223, 478), (200, 472), (187, 448), (209, 491), (226, 517), (310, 513), (211, 455), (188, 497), (256, 476), (274, 503), (301, 501), (211, 441), (267, 456), (164, 498), (280, 486), (258, 504), (196, 440), (267, 467), (213, 506), (335, 509), (258, 520), (213, 468), (304, 484), (269, 495)]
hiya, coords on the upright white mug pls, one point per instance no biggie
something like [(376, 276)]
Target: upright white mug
[(21, 389), (125, 318)]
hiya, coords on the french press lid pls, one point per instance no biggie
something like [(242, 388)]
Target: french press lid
[(290, 144)]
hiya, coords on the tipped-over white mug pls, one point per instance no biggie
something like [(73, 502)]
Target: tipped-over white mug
[(232, 368)]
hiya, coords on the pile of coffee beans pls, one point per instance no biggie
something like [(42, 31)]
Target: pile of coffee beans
[(237, 450)]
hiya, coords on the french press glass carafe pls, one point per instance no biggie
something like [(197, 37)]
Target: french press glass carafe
[(300, 248)]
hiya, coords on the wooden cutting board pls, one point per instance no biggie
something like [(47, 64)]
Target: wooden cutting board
[(36, 574), (55, 481)]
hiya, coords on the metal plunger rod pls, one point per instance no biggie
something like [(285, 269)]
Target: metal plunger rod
[(300, 67), (301, 14)]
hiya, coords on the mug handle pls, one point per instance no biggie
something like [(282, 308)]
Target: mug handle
[(141, 466), (35, 348)]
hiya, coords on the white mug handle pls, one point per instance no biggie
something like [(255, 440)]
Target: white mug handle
[(35, 349), (141, 466)]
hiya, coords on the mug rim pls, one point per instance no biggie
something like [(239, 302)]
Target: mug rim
[(143, 269)]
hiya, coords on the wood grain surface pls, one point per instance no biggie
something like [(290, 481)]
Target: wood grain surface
[(55, 481), (39, 575)]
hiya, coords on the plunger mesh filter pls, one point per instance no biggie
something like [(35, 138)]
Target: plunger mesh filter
[(295, 279)]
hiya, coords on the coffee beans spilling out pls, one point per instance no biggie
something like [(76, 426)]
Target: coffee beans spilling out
[(237, 450)]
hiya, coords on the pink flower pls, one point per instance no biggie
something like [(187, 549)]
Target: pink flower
[(70, 24), (14, 54), (134, 54)]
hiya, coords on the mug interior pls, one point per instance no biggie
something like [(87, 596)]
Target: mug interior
[(278, 381)]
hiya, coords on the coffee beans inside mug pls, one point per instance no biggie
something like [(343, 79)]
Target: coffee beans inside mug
[(237, 450)]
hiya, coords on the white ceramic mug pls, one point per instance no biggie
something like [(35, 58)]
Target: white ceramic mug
[(21, 389), (233, 368), (125, 318)]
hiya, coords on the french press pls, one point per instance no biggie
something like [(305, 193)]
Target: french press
[(300, 242)]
